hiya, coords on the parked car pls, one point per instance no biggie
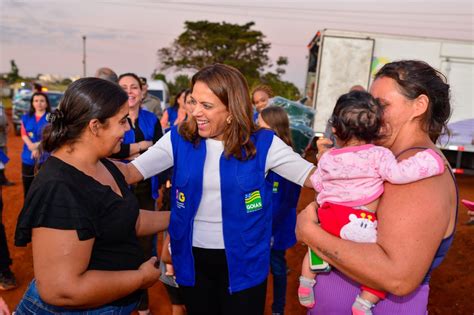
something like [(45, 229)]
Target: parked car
[(160, 89), (21, 106)]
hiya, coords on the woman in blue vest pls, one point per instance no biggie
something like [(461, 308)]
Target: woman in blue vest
[(176, 113), (261, 95), (285, 198), (32, 125), (145, 130), (221, 221)]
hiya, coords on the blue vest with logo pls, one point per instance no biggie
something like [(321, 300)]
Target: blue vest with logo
[(34, 130), (146, 122), (285, 198), (246, 210)]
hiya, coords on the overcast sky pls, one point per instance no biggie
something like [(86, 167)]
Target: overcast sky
[(46, 36)]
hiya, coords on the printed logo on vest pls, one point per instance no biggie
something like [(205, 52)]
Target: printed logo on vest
[(253, 201), (275, 187), (180, 199)]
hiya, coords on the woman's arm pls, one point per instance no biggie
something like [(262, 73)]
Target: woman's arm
[(164, 119), (152, 222), (129, 171), (26, 139), (287, 163), (60, 263), (412, 221)]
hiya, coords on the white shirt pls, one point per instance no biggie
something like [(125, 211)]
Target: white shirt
[(208, 220)]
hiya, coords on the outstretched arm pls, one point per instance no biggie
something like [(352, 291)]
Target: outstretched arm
[(152, 222), (129, 171), (423, 164)]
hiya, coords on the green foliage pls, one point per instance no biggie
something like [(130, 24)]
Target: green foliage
[(159, 76), (180, 83), (13, 76), (204, 43), (66, 81), (282, 88)]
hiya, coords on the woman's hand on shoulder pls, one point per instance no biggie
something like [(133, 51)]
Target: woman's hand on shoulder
[(129, 171), (150, 271)]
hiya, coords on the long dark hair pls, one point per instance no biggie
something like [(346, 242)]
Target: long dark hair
[(415, 78), (359, 115), (84, 100), (230, 86), (178, 95), (277, 119), (32, 108), (133, 75)]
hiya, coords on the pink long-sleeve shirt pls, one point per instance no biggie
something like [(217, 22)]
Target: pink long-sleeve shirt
[(354, 176)]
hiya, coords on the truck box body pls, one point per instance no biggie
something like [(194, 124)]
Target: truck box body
[(340, 59)]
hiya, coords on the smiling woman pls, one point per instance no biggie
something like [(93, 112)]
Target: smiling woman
[(80, 216), (145, 130), (220, 227)]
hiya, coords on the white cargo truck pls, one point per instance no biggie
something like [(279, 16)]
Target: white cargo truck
[(338, 60)]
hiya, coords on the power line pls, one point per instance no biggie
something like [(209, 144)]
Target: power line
[(306, 10), (318, 19)]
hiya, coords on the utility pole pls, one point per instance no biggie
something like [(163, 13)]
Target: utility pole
[(84, 54)]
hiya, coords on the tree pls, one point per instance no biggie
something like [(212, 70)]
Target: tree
[(13, 76), (280, 87), (204, 43), (180, 83)]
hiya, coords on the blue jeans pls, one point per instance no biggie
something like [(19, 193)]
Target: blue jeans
[(278, 270), (31, 303)]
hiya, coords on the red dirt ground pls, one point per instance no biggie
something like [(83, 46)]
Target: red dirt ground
[(452, 285)]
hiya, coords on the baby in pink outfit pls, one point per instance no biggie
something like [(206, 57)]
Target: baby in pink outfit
[(350, 180)]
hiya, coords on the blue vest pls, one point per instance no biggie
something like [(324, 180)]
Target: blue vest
[(34, 130), (246, 211), (255, 116), (285, 198), (172, 116), (146, 122)]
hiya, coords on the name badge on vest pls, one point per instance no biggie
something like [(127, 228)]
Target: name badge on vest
[(180, 199), (253, 201)]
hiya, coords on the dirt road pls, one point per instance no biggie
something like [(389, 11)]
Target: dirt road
[(452, 285)]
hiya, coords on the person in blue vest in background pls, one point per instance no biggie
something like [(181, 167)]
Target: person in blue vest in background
[(285, 198), (221, 218), (32, 125), (145, 130), (261, 95), (176, 113)]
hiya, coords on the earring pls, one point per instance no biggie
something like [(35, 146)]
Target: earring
[(229, 120)]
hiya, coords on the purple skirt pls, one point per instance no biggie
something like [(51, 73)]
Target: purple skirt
[(335, 293)]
